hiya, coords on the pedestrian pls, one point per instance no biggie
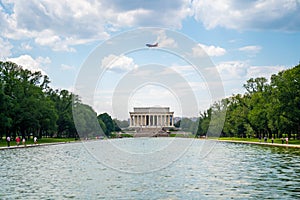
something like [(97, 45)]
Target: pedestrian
[(8, 141), (265, 139), (259, 139), (24, 141), (272, 140), (287, 140), (282, 140), (18, 140), (35, 140)]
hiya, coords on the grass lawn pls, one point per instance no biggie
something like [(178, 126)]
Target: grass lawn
[(3, 142), (277, 140), (186, 135)]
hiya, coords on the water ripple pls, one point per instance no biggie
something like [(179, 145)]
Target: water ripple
[(229, 171)]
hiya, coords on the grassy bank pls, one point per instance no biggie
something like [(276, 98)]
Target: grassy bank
[(277, 140), (3, 142)]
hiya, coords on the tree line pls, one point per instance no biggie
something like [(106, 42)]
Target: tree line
[(30, 107), (268, 108)]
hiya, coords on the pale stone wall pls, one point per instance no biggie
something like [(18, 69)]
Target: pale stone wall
[(151, 117)]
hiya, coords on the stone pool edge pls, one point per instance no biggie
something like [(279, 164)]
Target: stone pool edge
[(259, 143)]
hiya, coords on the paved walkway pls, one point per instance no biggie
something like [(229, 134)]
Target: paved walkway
[(262, 143), (32, 145)]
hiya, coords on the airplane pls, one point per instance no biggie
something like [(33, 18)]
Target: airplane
[(152, 45)]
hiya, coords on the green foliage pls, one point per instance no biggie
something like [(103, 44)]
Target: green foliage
[(109, 123), (102, 126), (86, 121), (28, 106), (25, 105), (266, 109), (177, 124), (121, 124), (203, 124), (188, 125)]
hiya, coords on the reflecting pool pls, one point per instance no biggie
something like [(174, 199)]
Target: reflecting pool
[(228, 170)]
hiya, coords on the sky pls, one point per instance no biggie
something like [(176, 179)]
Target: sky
[(208, 49)]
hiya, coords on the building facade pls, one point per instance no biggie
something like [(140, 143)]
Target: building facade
[(151, 117)]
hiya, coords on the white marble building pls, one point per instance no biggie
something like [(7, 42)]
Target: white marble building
[(151, 117)]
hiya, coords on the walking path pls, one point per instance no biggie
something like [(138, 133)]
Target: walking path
[(32, 145), (261, 143)]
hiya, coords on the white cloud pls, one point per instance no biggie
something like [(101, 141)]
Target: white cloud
[(168, 13), (155, 95), (209, 50), (25, 46), (32, 64), (240, 70), (62, 25), (241, 15), (118, 63), (234, 74), (251, 49), (164, 41), (232, 70), (184, 70), (264, 71), (65, 67), (48, 38), (5, 48)]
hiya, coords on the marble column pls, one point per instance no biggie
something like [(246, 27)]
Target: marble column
[(130, 124)]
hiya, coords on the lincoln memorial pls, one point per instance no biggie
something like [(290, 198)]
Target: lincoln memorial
[(151, 117)]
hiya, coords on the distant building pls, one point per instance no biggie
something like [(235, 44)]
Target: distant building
[(151, 117)]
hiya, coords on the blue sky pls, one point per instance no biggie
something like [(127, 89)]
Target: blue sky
[(243, 39)]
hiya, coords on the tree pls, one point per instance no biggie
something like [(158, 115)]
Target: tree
[(121, 123), (86, 120), (102, 126), (203, 124), (63, 100), (24, 100), (286, 95), (265, 109), (177, 124), (109, 124), (5, 120), (188, 125)]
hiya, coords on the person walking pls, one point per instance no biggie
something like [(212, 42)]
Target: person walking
[(24, 141), (8, 141), (287, 140), (282, 140), (35, 140), (272, 140), (18, 140)]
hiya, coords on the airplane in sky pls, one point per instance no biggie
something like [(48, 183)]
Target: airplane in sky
[(152, 45)]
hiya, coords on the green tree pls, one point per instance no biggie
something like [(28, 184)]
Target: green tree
[(286, 103), (203, 124), (86, 121), (109, 124), (121, 123), (102, 126), (63, 100)]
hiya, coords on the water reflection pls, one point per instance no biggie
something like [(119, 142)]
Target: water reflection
[(68, 171)]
